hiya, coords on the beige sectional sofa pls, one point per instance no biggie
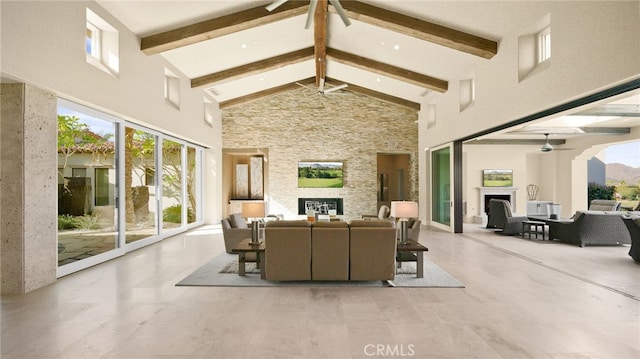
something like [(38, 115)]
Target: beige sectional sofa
[(360, 250)]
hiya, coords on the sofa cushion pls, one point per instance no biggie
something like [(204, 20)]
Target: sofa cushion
[(334, 224), (237, 221), (289, 223), (373, 223)]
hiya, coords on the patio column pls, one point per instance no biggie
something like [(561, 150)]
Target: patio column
[(28, 220)]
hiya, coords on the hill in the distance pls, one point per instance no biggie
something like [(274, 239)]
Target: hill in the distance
[(617, 172)]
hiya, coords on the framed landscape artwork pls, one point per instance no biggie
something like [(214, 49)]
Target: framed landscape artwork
[(497, 178), (318, 174)]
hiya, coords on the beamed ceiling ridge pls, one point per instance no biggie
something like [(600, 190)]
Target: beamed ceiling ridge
[(258, 16)]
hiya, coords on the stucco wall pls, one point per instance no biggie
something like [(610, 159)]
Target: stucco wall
[(300, 125)]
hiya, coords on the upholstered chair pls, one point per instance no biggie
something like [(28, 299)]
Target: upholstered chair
[(287, 250), (383, 213), (500, 217), (633, 225), (330, 250), (372, 250), (234, 230)]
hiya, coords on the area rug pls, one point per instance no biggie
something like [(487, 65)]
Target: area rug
[(222, 271)]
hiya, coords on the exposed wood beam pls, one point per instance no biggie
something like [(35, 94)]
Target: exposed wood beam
[(224, 25), (397, 73), (255, 67), (320, 40), (421, 29), (310, 81)]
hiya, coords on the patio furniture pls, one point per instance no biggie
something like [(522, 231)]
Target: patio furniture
[(500, 217), (633, 226), (592, 228), (604, 205)]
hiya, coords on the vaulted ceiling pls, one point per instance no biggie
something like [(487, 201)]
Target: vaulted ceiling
[(239, 51), (398, 51)]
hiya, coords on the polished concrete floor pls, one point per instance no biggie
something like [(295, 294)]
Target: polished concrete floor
[(523, 299)]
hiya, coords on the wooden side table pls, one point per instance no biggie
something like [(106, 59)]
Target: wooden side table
[(245, 247), (409, 252)]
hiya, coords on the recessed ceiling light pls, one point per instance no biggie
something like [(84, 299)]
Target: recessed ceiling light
[(378, 79), (244, 46), (396, 47)]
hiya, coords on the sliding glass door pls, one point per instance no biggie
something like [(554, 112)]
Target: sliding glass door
[(120, 186), (88, 223), (442, 187)]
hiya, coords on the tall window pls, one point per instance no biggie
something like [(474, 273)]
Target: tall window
[(544, 45)]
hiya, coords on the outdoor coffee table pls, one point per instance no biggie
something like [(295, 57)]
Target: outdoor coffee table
[(533, 227), (405, 253), (244, 247)]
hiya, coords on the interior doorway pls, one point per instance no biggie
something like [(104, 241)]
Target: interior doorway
[(393, 178)]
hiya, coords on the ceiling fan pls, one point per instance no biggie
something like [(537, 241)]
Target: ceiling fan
[(312, 9), (321, 89), (547, 146)]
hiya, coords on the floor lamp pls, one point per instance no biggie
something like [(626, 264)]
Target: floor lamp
[(254, 210), (404, 210)]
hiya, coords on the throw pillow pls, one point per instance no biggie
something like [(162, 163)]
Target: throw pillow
[(237, 221)]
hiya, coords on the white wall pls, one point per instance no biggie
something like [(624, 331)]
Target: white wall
[(595, 45), (43, 45)]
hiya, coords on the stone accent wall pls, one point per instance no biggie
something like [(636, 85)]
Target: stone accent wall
[(301, 125), (29, 188)]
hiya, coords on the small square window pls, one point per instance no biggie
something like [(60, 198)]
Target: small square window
[(544, 45)]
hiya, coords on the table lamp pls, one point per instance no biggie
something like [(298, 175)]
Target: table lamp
[(404, 210), (253, 210)]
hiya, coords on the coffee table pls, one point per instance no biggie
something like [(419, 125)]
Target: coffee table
[(245, 246), (552, 223), (409, 252)]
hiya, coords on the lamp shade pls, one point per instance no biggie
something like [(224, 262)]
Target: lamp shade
[(253, 209), (404, 209)]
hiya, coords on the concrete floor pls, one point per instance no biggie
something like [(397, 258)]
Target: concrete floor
[(523, 299)]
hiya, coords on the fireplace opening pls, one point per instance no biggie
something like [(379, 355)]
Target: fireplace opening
[(320, 205)]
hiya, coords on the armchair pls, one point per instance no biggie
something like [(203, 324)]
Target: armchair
[(633, 225), (383, 213), (287, 250), (500, 217), (234, 230)]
